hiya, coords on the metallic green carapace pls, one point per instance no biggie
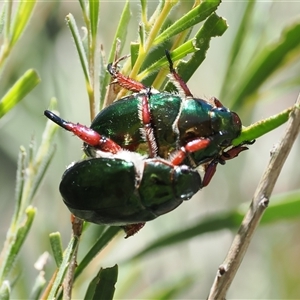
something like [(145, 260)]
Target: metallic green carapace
[(176, 121), (111, 191)]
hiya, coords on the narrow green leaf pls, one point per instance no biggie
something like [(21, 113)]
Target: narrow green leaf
[(121, 31), (213, 223), (43, 157), (195, 16), (241, 36), (269, 60), (38, 286), (105, 287), (79, 45), (5, 290), (173, 290), (21, 18), (82, 5), (120, 36), (18, 91), (16, 243), (134, 52), (19, 186), (92, 287), (56, 246), (63, 268), (262, 127), (282, 207), (214, 26), (94, 16), (2, 17), (144, 7), (142, 35), (103, 240)]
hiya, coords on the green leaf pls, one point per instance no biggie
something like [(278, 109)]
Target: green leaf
[(56, 245), (18, 91), (20, 179), (102, 287), (121, 31), (262, 127), (21, 18), (43, 157), (120, 36), (134, 52), (103, 240), (269, 60), (282, 207), (79, 45), (15, 245), (38, 286), (63, 268), (94, 15), (173, 290), (210, 224), (29, 176), (82, 5), (238, 42), (195, 16), (214, 26), (5, 290), (2, 17)]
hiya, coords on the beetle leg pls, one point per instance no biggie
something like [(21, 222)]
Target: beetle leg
[(147, 129), (88, 135), (192, 146), (210, 171), (177, 80), (124, 81), (233, 152), (216, 102), (132, 229), (211, 168)]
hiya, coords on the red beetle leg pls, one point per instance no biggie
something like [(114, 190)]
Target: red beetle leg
[(233, 152), (88, 135), (217, 102), (178, 81), (132, 229), (210, 171), (93, 138), (192, 146), (124, 81), (147, 130)]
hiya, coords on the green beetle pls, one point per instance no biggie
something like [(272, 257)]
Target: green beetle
[(122, 192)]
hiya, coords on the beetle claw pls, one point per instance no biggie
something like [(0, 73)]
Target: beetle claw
[(132, 229)]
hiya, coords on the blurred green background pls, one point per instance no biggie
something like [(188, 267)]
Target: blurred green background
[(271, 268)]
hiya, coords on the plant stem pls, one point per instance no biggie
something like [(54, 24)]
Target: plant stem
[(237, 251)]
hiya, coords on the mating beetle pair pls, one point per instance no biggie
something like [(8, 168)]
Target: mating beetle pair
[(143, 151)]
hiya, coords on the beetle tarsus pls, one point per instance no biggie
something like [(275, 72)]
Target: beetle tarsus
[(132, 229), (124, 81), (178, 81)]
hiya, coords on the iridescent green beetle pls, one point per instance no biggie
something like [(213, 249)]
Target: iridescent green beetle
[(144, 150)]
